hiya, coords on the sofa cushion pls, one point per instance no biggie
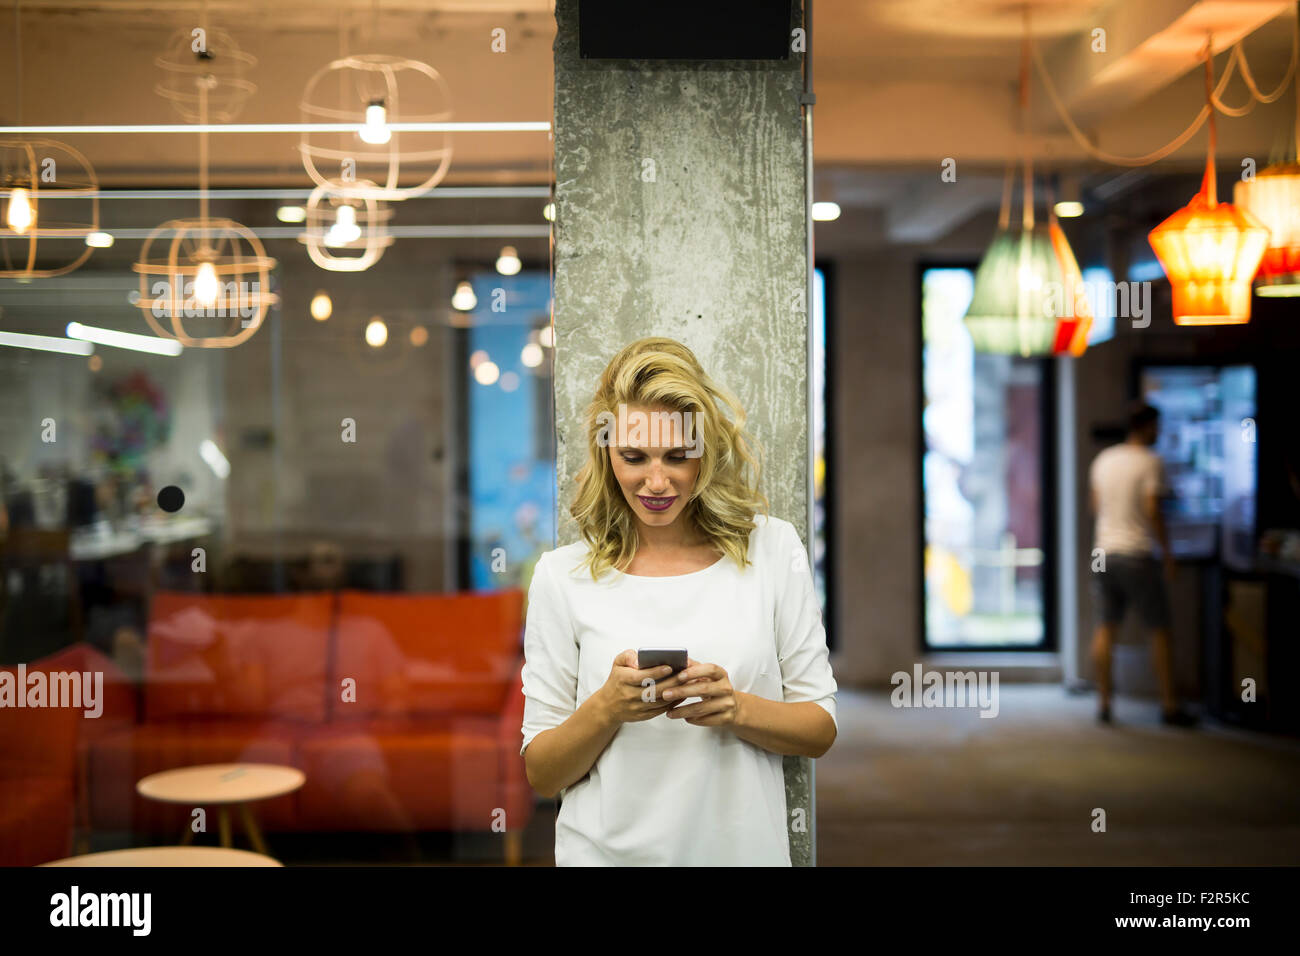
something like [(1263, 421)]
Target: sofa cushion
[(426, 654), (393, 775), (237, 656)]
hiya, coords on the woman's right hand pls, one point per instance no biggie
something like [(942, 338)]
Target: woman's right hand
[(630, 694)]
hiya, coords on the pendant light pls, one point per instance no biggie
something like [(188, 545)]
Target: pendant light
[(1025, 287), (346, 231), (1011, 310), (1273, 197), (1075, 310), (372, 93), (1210, 250), (35, 243), (376, 158), (206, 267)]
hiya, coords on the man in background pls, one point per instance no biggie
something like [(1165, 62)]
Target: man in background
[(1127, 483)]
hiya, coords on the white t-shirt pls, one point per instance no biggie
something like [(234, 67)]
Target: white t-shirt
[(1121, 477), (665, 792)]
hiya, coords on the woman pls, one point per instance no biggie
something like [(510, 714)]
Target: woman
[(685, 769)]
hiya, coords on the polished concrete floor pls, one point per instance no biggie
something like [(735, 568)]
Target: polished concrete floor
[(926, 787), (946, 787), (922, 787)]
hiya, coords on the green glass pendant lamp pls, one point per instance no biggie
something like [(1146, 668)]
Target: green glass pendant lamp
[(1026, 286)]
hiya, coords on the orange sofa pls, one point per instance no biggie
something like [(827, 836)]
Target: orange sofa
[(44, 754), (402, 710)]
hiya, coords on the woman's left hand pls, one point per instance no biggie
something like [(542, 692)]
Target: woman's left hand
[(720, 705)]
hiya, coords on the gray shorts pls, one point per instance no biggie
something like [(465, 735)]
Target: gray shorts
[(1131, 579)]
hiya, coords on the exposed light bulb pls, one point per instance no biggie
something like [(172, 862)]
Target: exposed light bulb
[(291, 214), (1068, 209), (508, 263), (376, 332), (99, 240), (206, 286), (376, 131), (321, 306), (546, 336), (345, 228), (531, 355), (486, 373), (464, 299), (548, 212), (21, 214)]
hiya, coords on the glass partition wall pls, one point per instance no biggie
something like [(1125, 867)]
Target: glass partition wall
[(292, 569)]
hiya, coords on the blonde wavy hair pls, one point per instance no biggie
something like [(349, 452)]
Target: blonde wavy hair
[(659, 372)]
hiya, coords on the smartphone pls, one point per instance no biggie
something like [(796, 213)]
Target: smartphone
[(674, 657)]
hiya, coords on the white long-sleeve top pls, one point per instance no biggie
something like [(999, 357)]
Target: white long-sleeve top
[(665, 792)]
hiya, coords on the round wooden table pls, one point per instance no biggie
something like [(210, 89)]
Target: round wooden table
[(223, 784), (169, 856)]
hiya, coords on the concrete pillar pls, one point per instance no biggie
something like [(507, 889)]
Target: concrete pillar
[(680, 212)]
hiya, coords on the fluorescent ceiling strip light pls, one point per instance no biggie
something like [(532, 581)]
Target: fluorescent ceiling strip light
[(46, 343), (441, 192), (505, 127), (124, 340), (398, 232), (211, 454)]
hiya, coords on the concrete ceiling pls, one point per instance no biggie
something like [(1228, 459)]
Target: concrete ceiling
[(901, 85), (113, 46)]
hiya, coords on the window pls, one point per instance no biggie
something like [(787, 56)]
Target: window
[(511, 433), (983, 475)]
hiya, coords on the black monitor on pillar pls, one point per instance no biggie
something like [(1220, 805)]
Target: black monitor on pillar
[(685, 30)]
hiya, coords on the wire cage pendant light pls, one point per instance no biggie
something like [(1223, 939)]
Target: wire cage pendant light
[(373, 92), (207, 267), (48, 191), (344, 231)]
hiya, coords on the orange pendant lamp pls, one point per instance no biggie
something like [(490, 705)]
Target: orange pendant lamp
[(1210, 250), (1273, 197), (1076, 319)]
